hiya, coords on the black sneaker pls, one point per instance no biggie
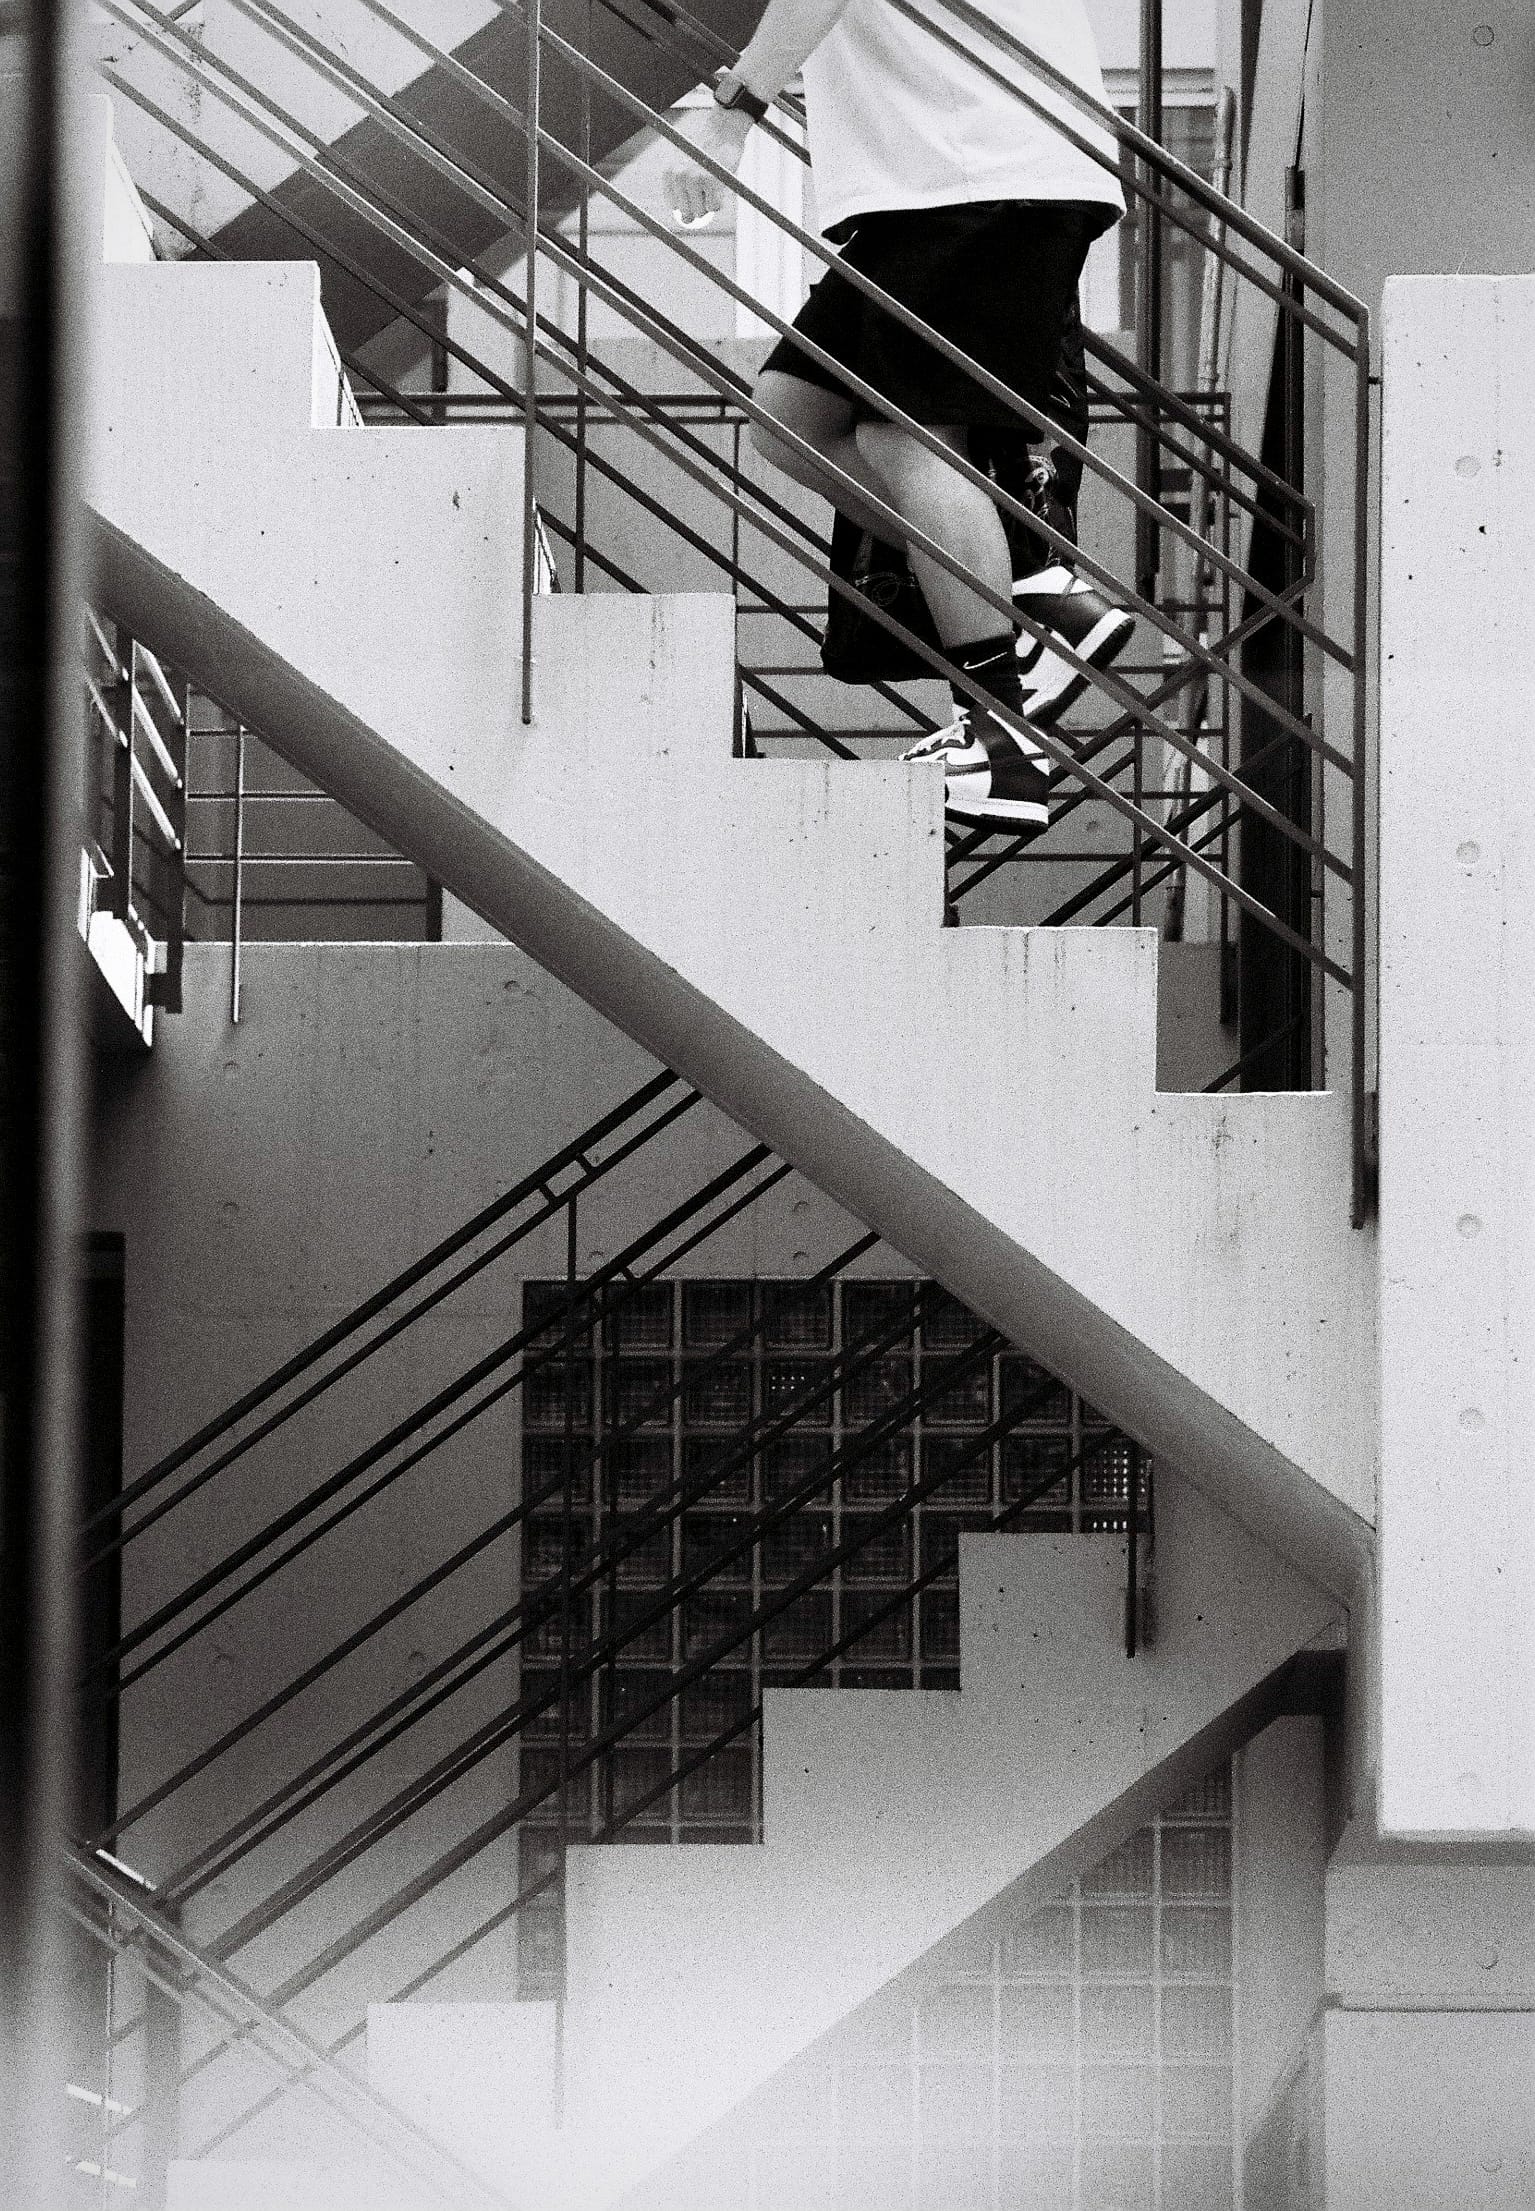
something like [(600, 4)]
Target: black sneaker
[(1089, 622), (992, 778)]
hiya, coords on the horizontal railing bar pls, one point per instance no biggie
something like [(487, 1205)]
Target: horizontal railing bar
[(151, 728), (151, 798)]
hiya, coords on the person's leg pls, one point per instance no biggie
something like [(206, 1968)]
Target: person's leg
[(823, 419), (957, 515)]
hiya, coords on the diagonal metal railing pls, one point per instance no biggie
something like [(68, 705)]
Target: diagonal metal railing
[(1301, 294)]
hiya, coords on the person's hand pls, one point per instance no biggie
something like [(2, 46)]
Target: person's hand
[(691, 193)]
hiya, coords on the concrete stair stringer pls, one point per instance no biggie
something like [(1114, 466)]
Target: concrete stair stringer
[(983, 1097)]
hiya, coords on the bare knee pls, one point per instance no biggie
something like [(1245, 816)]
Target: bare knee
[(806, 410)]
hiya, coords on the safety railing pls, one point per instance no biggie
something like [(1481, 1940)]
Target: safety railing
[(1310, 757), (714, 1550), (134, 865)]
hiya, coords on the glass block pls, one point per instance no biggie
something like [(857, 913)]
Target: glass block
[(1119, 2102), (539, 1855), (545, 1308), (1196, 2102), (1196, 1861), (636, 1470), (794, 1463), (721, 1788), (714, 1312), (543, 1546), (1037, 1468), (946, 1324), (955, 2022), (872, 1628), (940, 1624), (1208, 1799), (1036, 2023), (710, 1616), (941, 1532), (874, 2101), (641, 1779), (1040, 1942), (883, 1553), (1196, 2022), (628, 1691), (717, 1469), (797, 2106), (802, 1631), (1038, 2103), (1197, 2179), (644, 1320), (647, 1560), (954, 2176), (639, 1393), (1196, 1939), (715, 1703), (871, 1309), (879, 1476), (1034, 2177), (708, 1537), (1115, 1939), (546, 1638), (717, 1393), (965, 1403), (889, 1676), (1118, 2022), (875, 1389), (539, 1782), (1118, 2177), (873, 2175), (1106, 1472), (1032, 1393), (789, 2174), (1127, 1871), (961, 1474), (653, 1639), (543, 1393), (800, 1386), (881, 2028), (544, 1462), (797, 1316), (793, 1543), (539, 1690)]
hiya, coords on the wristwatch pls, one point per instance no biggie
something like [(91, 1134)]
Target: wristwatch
[(729, 91)]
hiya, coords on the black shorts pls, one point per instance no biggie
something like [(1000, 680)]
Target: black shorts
[(997, 278)]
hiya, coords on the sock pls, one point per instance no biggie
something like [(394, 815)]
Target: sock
[(992, 664)]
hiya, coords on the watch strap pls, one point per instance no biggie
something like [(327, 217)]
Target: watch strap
[(730, 92)]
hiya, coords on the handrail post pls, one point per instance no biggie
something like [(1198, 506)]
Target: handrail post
[(534, 51), (1149, 342), (567, 1533), (237, 890)]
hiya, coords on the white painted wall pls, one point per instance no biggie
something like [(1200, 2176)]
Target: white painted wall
[(1457, 1559)]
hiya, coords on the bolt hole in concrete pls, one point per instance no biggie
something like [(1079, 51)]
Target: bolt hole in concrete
[(1468, 465), (1483, 35), (1469, 1226), (1471, 1420), (1468, 854)]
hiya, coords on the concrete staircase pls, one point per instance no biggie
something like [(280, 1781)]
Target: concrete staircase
[(985, 1098), (889, 1820)]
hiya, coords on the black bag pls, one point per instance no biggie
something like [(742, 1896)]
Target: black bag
[(857, 648)]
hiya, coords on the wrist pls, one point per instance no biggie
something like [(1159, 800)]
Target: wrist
[(743, 91)]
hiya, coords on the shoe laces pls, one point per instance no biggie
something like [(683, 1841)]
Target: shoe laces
[(953, 737)]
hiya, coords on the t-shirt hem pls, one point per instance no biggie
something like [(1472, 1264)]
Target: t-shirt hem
[(881, 201)]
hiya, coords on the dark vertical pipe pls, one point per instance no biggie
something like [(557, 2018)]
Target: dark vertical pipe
[(41, 799), (1149, 346)]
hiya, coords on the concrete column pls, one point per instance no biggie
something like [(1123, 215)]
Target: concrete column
[(1457, 1011), (1427, 2049)]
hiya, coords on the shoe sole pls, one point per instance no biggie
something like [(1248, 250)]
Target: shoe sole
[(1101, 647), (1004, 813)]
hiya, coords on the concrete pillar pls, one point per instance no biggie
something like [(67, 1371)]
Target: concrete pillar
[(1457, 1014), (1427, 2048)]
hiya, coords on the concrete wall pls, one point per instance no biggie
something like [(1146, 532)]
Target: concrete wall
[(1457, 1061)]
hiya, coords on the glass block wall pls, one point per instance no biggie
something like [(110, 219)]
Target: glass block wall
[(1082, 2058), (666, 1335)]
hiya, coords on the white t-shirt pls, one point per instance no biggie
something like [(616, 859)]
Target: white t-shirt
[(899, 119)]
